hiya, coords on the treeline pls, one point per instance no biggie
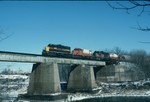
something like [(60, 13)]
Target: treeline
[(142, 59), (139, 57)]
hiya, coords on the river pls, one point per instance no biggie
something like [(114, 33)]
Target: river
[(99, 99)]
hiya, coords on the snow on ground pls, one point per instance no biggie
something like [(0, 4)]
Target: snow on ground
[(137, 89), (55, 94), (19, 86), (13, 85), (81, 96), (13, 76)]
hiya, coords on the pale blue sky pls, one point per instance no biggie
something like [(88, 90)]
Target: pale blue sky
[(84, 24)]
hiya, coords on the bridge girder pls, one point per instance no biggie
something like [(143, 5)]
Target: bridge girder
[(35, 58)]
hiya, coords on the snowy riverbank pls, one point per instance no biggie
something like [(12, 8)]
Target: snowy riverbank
[(13, 85), (131, 89)]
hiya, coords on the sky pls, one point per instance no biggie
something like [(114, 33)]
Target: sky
[(79, 24)]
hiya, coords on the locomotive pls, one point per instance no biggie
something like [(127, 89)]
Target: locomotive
[(58, 50)]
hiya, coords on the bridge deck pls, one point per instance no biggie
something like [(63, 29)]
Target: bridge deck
[(36, 58)]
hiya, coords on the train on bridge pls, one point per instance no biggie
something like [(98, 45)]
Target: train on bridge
[(61, 51)]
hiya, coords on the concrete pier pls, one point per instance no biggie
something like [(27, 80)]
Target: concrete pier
[(122, 72), (44, 79), (81, 79)]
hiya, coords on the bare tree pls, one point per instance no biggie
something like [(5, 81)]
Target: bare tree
[(141, 59), (132, 5), (117, 50), (138, 57)]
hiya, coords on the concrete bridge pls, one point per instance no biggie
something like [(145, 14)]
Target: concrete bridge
[(44, 78)]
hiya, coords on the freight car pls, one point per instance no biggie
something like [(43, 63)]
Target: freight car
[(109, 58), (101, 55), (82, 53)]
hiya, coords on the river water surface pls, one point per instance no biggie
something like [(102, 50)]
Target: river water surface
[(101, 99), (118, 99)]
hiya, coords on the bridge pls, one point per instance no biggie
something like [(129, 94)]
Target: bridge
[(44, 78), (36, 58)]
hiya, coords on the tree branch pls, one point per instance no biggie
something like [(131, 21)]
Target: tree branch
[(3, 35), (135, 4), (143, 29), (123, 7)]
